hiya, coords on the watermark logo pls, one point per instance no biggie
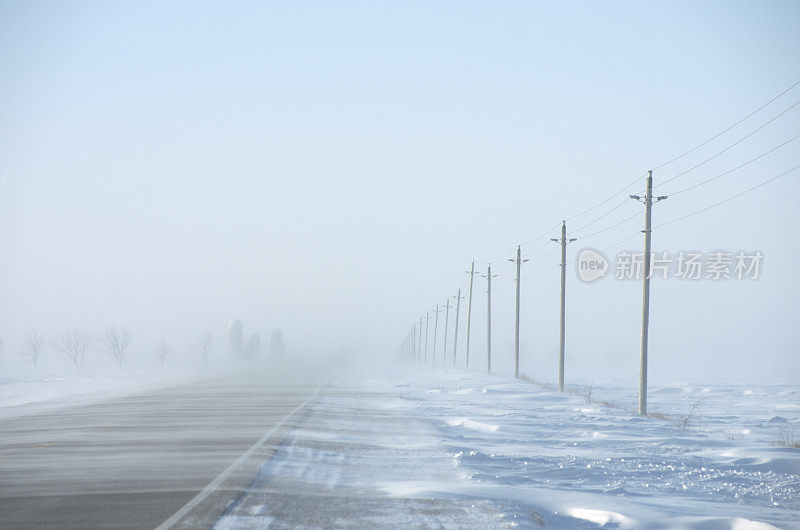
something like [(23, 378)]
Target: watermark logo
[(691, 265), (591, 265)]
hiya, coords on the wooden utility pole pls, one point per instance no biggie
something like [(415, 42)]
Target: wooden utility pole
[(489, 319), (427, 325), (648, 210), (519, 261), (469, 311), (414, 342), (419, 349), (563, 242), (435, 334), (446, 320), (455, 333)]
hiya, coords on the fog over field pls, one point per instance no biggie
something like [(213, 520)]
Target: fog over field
[(332, 171)]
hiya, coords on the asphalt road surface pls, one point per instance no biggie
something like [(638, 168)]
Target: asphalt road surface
[(172, 457)]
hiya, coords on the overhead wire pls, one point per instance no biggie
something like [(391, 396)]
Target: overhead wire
[(606, 229), (537, 258), (737, 142), (729, 198), (622, 190), (545, 234), (695, 148), (734, 169), (546, 271), (540, 247), (577, 230), (615, 245), (628, 238), (682, 155)]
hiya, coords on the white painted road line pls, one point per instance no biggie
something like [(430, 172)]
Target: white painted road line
[(205, 492)]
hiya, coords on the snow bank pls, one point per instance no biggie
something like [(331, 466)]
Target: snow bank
[(498, 452)]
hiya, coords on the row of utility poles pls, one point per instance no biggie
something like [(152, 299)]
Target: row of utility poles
[(416, 350), (412, 347)]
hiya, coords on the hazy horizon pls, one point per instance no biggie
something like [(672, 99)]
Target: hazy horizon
[(332, 170)]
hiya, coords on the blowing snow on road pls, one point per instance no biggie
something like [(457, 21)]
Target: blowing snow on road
[(282, 447)]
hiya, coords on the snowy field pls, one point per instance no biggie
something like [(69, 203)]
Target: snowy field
[(448, 449)]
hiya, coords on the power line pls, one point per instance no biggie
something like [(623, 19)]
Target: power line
[(647, 231), (610, 227), (579, 214), (598, 204), (545, 234), (737, 142), (621, 242), (611, 197), (693, 149), (737, 167), (545, 255), (540, 247), (546, 271), (729, 198), (505, 284), (551, 268), (502, 258), (625, 201)]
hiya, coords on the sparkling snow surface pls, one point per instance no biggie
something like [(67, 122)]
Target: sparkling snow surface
[(453, 449)]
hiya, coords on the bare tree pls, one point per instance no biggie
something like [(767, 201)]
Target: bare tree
[(161, 351), (73, 343), (203, 347), (115, 343), (32, 348)]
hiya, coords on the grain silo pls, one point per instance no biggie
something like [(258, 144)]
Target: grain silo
[(235, 340)]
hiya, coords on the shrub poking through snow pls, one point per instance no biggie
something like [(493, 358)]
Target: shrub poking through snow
[(787, 437)]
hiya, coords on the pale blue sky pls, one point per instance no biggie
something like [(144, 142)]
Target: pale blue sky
[(331, 168)]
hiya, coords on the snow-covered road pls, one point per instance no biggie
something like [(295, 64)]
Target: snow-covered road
[(394, 447), (452, 449)]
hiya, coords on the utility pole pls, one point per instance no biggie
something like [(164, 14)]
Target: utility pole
[(419, 349), (435, 333), (648, 204), (563, 242), (414, 342), (427, 325), (469, 311), (519, 261), (446, 320), (455, 333), (489, 319)]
